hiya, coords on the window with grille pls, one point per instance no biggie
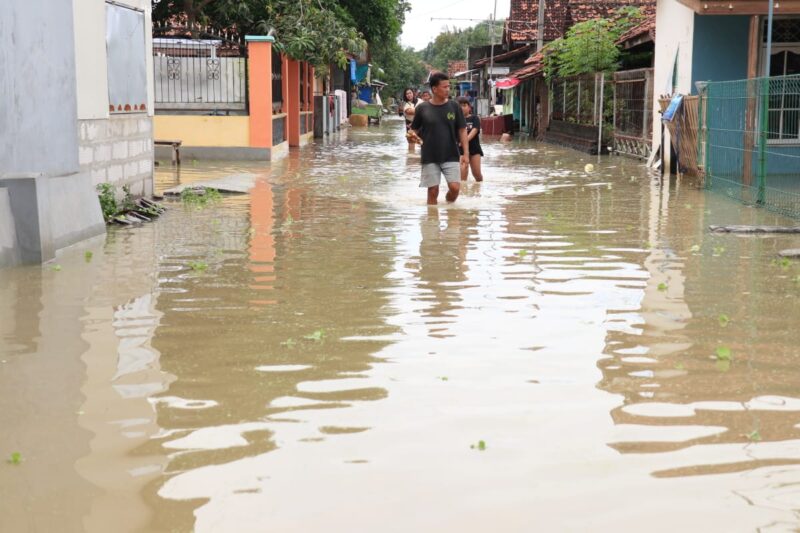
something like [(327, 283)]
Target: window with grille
[(784, 84)]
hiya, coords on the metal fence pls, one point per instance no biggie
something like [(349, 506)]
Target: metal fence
[(198, 70), (578, 99), (632, 112), (749, 142)]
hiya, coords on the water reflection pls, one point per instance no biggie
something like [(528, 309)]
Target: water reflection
[(325, 350)]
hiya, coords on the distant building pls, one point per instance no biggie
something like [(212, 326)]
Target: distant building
[(77, 112)]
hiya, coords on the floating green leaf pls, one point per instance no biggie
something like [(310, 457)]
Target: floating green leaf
[(87, 256), (480, 446), (723, 353), (444, 378), (522, 253), (289, 343), (317, 336), (15, 458), (679, 366), (785, 263), (718, 250), (662, 287), (56, 268), (694, 249), (723, 320), (754, 436), (198, 266)]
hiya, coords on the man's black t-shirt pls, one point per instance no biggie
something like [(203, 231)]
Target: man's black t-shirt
[(438, 126)]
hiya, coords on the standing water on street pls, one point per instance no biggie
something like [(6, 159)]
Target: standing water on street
[(565, 348)]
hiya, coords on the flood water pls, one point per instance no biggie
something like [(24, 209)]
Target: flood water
[(327, 354)]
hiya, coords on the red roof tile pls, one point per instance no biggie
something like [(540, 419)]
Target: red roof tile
[(521, 25), (645, 31), (455, 66), (505, 56)]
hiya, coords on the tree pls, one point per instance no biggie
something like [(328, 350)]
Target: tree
[(308, 30), (589, 46), (452, 45)]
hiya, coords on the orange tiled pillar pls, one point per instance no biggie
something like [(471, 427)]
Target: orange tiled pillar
[(293, 101), (259, 87)]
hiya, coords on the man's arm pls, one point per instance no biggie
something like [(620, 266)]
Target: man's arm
[(462, 137)]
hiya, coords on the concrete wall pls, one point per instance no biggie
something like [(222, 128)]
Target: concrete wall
[(119, 150), (114, 148), (720, 48), (201, 130), (9, 247), (675, 31), (91, 59), (37, 83)]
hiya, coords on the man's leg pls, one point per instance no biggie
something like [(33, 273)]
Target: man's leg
[(433, 195), (452, 174), (453, 188)]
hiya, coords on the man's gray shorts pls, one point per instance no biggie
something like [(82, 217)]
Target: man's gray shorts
[(432, 173)]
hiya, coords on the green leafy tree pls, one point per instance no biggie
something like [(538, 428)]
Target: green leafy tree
[(590, 46), (452, 45)]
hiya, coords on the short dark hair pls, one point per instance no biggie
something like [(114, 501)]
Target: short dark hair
[(463, 100), (436, 78)]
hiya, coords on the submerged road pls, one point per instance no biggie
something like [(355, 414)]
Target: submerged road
[(559, 350)]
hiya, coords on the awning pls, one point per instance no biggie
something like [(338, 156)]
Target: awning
[(506, 83)]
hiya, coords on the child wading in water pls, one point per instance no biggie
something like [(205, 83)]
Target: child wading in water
[(473, 136)]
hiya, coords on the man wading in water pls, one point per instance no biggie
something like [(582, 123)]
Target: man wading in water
[(441, 125)]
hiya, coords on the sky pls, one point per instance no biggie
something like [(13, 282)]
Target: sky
[(419, 29)]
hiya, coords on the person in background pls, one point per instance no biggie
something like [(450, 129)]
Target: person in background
[(424, 95), (440, 123), (473, 138), (407, 107)]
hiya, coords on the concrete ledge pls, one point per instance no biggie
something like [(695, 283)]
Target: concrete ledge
[(216, 153), (9, 248), (49, 213)]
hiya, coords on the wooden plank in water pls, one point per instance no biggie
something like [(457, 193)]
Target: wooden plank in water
[(754, 229)]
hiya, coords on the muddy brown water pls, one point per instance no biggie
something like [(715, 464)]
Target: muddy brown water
[(327, 352)]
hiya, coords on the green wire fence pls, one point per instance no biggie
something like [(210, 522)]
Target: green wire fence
[(749, 142)]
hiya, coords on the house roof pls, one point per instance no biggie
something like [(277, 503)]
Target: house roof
[(645, 32), (455, 66), (521, 25), (740, 7), (533, 66), (505, 56)]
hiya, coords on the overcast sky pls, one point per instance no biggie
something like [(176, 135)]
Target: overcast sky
[(419, 29)]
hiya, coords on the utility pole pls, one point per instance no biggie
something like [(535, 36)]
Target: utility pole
[(540, 27), (491, 55)]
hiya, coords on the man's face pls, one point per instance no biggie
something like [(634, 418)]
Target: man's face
[(442, 90), (426, 96)]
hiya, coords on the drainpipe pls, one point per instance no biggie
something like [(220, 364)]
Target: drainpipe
[(762, 144)]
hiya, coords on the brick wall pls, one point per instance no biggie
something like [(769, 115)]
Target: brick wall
[(118, 150)]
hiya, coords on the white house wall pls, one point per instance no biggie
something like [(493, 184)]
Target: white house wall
[(114, 148), (675, 33)]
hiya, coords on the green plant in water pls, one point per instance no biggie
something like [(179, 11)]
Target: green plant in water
[(480, 446), (289, 343), (723, 353), (754, 436), (15, 458), (127, 200), (56, 268), (200, 196), (662, 287), (695, 248), (785, 263), (549, 217), (87, 256), (317, 336), (718, 251), (679, 366), (648, 245), (108, 201), (444, 378), (198, 266), (522, 254), (724, 320)]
